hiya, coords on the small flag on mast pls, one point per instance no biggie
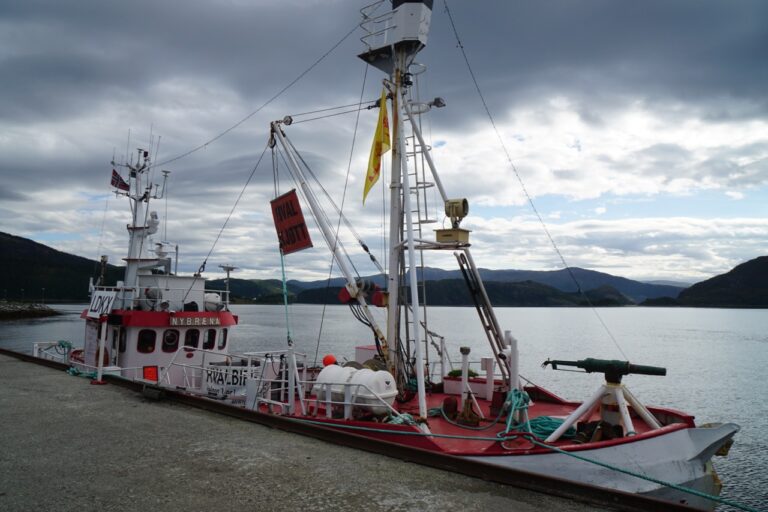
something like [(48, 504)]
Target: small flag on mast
[(119, 182), (379, 147)]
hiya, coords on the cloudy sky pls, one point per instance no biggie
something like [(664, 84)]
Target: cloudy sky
[(640, 129)]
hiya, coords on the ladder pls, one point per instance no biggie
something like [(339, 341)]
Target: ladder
[(484, 308), (419, 187)]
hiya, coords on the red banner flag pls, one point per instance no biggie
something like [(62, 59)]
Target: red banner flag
[(119, 182), (292, 231)]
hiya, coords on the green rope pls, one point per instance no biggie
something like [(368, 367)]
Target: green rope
[(645, 477), (518, 405), (401, 419), (516, 401), (541, 427), (530, 437), (77, 373), (285, 297)]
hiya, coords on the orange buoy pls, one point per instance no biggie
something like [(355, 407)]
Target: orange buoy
[(329, 359)]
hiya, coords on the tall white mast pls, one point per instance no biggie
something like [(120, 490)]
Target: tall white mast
[(143, 223), (393, 40)]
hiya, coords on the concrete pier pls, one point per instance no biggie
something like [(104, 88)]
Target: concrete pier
[(67, 445)]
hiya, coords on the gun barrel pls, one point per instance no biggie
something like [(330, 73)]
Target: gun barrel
[(612, 368), (647, 370)]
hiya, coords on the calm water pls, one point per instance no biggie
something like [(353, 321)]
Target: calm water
[(716, 359)]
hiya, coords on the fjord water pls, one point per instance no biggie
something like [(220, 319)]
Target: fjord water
[(716, 359)]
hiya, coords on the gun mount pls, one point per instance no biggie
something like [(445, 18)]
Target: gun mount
[(613, 369)]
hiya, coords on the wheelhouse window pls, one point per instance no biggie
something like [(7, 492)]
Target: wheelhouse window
[(223, 339), (170, 340), (192, 338), (146, 342), (210, 339)]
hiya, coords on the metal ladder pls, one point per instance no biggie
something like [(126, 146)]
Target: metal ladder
[(419, 186), (484, 309)]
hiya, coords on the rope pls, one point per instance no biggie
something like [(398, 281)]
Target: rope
[(232, 211), (401, 419), (680, 488), (285, 299), (358, 104), (397, 432), (329, 115), (270, 100), (531, 438), (522, 184), (341, 209), (77, 373)]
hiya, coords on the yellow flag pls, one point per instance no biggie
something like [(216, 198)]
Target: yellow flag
[(379, 147)]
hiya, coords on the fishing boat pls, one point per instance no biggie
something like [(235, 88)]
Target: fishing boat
[(136, 327), (610, 440), (167, 331)]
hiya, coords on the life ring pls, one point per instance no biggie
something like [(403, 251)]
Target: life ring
[(78, 356)]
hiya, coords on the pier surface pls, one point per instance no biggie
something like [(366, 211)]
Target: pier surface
[(66, 445)]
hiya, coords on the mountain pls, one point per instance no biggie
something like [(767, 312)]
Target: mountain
[(30, 266), (261, 291), (558, 279), (31, 271), (27, 268), (678, 284), (746, 285), (453, 292)]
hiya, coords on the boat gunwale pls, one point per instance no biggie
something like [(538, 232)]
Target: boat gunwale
[(569, 489)]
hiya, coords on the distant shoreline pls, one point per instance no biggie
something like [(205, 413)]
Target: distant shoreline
[(22, 310)]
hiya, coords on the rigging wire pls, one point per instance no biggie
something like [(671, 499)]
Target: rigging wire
[(342, 217), (263, 105), (358, 104), (338, 223), (101, 235), (330, 200), (522, 184), (199, 272), (322, 212), (329, 115)]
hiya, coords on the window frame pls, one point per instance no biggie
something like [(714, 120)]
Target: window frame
[(140, 341), (188, 336), (209, 341), (169, 348)]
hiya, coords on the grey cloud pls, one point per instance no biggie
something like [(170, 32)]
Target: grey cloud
[(566, 174), (9, 195), (85, 72), (604, 54)]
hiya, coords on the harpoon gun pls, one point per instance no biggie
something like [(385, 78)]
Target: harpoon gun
[(613, 369)]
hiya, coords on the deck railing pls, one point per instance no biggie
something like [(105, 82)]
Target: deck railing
[(278, 379), (131, 298)]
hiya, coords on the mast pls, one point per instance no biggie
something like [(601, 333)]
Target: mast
[(395, 231), (392, 50), (143, 223)]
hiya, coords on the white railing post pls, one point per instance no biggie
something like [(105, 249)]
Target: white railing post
[(347, 402), (100, 353), (464, 373), (513, 360)]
